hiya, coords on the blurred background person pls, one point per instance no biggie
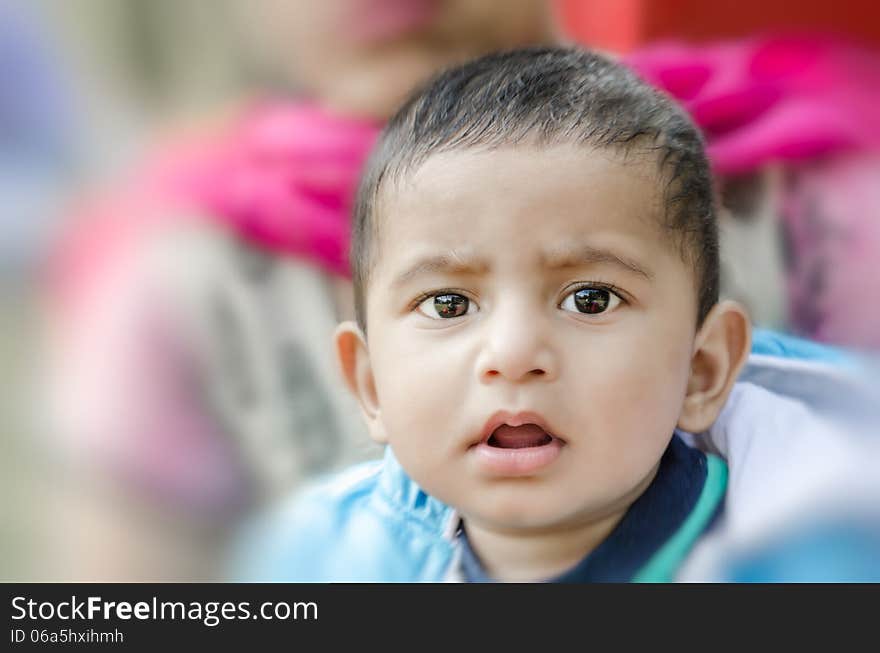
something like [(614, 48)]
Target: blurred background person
[(191, 306), (792, 127), (786, 100)]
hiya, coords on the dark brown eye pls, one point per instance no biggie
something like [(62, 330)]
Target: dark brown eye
[(445, 306), (590, 301), (450, 305)]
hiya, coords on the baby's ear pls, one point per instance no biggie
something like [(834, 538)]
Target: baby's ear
[(354, 363), (720, 350)]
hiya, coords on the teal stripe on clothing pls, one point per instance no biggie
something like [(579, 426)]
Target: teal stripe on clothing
[(661, 568)]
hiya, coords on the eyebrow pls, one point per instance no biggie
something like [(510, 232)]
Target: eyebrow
[(556, 258), (452, 263), (580, 255)]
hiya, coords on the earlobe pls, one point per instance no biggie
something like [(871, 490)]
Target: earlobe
[(354, 363), (721, 349)]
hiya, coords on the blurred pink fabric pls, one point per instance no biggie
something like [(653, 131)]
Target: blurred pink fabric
[(781, 98), (283, 177), (810, 104)]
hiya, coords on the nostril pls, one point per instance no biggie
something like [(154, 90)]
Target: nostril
[(538, 372)]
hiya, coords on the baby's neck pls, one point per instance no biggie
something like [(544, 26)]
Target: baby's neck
[(536, 555)]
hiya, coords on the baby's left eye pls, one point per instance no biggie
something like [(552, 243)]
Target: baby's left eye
[(590, 301)]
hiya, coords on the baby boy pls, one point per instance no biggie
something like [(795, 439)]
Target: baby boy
[(535, 257)]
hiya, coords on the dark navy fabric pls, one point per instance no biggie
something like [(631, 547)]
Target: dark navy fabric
[(650, 521)]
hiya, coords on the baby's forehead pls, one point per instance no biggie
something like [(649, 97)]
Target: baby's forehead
[(508, 212), (569, 188), (452, 174)]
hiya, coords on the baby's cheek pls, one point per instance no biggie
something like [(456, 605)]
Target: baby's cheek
[(419, 379), (418, 396), (645, 398)]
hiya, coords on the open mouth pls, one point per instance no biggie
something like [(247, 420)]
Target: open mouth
[(519, 437), (516, 445)]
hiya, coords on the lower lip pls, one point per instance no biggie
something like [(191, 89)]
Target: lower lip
[(516, 462)]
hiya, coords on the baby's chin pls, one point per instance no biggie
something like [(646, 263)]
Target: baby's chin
[(532, 515)]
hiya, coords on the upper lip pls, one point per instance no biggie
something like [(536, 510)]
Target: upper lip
[(510, 418)]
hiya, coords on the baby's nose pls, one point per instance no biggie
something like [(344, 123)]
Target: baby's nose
[(517, 350)]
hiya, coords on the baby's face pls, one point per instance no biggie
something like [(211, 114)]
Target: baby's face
[(530, 330)]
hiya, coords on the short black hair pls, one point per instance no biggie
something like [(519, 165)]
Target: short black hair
[(548, 96)]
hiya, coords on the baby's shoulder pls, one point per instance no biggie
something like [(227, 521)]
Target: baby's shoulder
[(354, 526), (798, 434)]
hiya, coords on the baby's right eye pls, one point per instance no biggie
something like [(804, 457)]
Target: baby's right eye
[(445, 305)]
